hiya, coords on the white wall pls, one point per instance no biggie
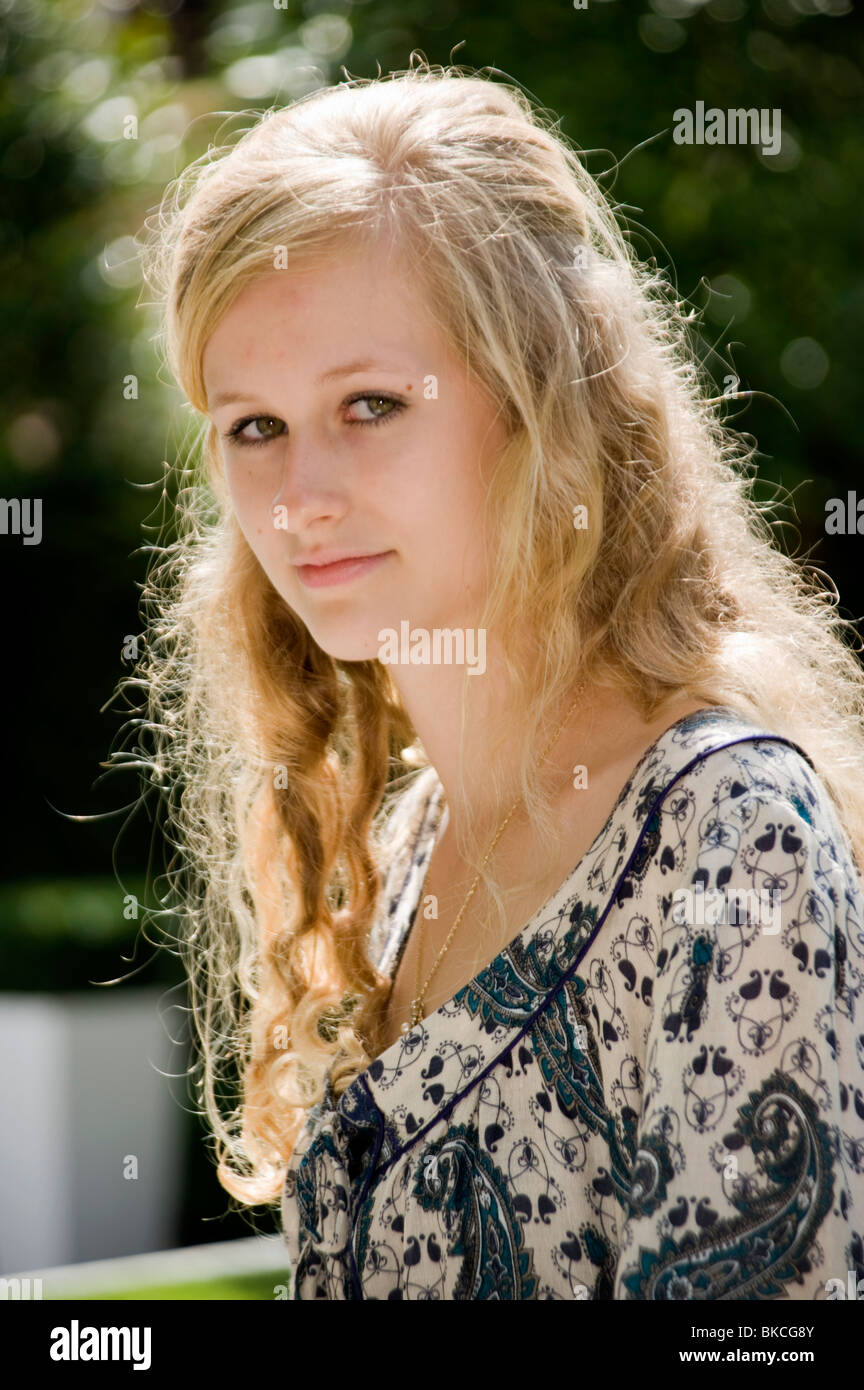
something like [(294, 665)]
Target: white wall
[(80, 1089)]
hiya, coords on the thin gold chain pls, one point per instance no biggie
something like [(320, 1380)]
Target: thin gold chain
[(420, 995)]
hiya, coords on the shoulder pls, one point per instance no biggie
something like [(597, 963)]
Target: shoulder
[(758, 782), (754, 872)]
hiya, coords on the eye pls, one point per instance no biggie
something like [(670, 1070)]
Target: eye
[(268, 421), (383, 407), (377, 398)]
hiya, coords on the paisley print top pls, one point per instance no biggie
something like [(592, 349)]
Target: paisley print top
[(655, 1091)]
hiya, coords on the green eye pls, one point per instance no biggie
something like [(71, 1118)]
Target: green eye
[(382, 407), (272, 428), (371, 400)]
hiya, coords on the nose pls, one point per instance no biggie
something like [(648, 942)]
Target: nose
[(309, 489)]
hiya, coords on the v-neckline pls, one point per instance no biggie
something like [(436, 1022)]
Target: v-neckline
[(432, 823), (529, 968)]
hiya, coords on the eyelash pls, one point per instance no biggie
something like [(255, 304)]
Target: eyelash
[(235, 432)]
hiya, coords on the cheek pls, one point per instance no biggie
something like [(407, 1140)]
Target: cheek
[(252, 506), (252, 492), (446, 468)]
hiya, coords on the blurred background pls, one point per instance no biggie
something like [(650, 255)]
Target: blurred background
[(102, 102)]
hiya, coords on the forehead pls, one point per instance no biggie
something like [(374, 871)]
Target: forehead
[(362, 304)]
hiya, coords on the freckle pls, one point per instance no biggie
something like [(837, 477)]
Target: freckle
[(408, 387)]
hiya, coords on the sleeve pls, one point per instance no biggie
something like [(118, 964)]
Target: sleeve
[(748, 1167)]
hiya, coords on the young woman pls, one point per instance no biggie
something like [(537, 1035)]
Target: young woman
[(518, 775)]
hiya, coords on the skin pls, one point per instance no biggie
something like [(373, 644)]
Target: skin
[(414, 486), (411, 484)]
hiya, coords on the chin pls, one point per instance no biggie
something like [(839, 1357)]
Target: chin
[(346, 645)]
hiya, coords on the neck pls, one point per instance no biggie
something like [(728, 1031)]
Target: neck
[(432, 696)]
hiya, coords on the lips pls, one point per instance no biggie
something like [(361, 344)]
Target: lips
[(337, 569), (318, 559)]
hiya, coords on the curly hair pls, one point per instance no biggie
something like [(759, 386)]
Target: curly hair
[(280, 766)]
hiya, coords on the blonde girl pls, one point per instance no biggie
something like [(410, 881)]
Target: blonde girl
[(533, 976)]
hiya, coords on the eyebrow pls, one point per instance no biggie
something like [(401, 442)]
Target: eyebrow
[(363, 364)]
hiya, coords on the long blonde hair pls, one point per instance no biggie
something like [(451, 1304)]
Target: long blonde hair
[(281, 765)]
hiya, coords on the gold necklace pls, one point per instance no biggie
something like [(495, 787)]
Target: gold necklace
[(420, 995)]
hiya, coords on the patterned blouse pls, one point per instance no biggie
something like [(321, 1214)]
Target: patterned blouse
[(655, 1091)]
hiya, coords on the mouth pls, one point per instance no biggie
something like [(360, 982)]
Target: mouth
[(339, 571)]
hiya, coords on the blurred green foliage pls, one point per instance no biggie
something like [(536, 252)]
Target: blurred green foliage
[(240, 1286), (88, 910), (60, 934)]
